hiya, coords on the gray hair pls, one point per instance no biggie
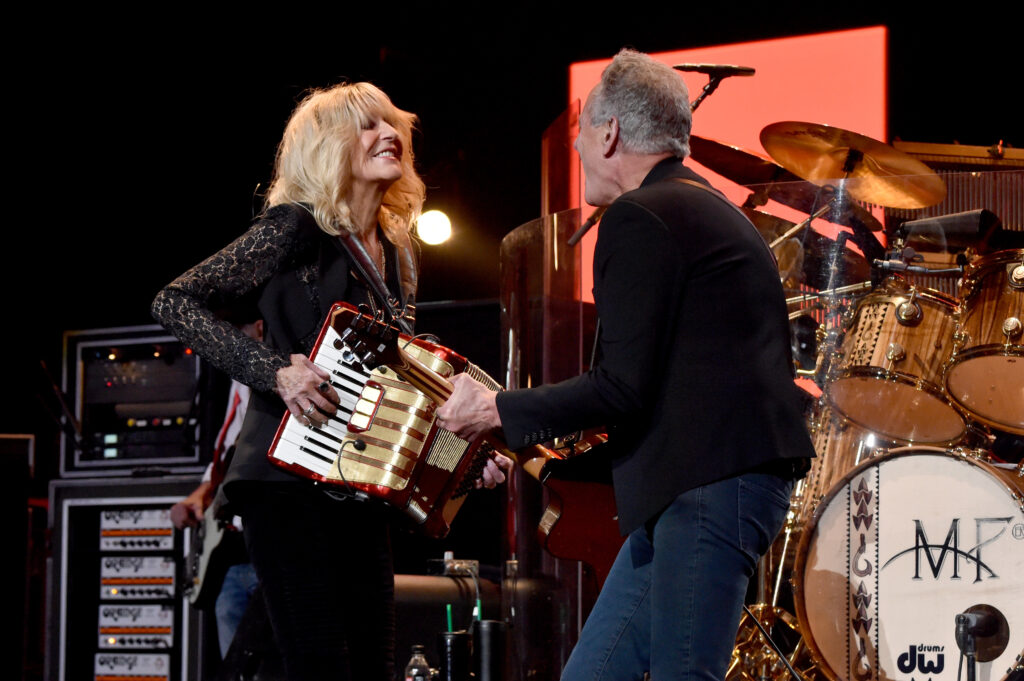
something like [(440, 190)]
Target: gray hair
[(650, 101)]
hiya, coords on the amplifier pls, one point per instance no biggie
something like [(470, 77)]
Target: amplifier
[(976, 177), (140, 397), (116, 608)]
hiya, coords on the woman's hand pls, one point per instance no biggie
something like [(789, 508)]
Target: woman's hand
[(306, 391)]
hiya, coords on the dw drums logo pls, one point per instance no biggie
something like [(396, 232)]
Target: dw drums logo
[(926, 659), (934, 556)]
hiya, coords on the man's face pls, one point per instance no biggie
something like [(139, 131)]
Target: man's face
[(590, 147)]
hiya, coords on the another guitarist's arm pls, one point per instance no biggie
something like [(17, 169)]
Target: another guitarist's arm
[(189, 511)]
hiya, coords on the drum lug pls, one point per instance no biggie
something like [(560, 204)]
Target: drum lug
[(1011, 328), (909, 312), (960, 339), (894, 353), (1015, 275)]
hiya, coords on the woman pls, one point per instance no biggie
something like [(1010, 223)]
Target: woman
[(344, 170)]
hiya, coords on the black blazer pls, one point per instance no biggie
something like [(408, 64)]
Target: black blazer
[(695, 376)]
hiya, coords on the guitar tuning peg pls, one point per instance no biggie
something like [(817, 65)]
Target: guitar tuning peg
[(367, 360)]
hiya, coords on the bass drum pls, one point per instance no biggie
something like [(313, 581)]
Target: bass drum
[(900, 547), (840, 447), (985, 373)]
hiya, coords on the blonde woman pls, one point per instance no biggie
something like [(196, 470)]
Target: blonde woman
[(344, 167)]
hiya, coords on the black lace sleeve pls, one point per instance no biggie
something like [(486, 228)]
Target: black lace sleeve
[(185, 306)]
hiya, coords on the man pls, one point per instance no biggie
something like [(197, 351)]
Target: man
[(694, 382)]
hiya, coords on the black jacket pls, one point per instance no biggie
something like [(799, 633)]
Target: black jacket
[(695, 376)]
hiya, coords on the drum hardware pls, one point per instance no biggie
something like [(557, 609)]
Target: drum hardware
[(796, 228), (1016, 275), (767, 180), (812, 296), (757, 656), (909, 313), (900, 256), (972, 229)]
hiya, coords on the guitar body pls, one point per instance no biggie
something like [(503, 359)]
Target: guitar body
[(581, 520), (215, 546)]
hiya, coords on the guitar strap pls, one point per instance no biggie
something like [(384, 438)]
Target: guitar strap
[(720, 196)]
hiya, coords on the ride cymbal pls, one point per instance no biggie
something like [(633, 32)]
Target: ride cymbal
[(872, 171)]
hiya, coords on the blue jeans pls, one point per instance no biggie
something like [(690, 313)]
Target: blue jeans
[(240, 583), (672, 602)]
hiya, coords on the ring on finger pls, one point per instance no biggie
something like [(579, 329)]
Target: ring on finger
[(308, 411), (324, 386)]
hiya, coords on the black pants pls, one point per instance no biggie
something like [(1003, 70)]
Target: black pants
[(326, 574)]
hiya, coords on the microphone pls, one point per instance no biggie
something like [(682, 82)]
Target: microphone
[(716, 70), (976, 623)]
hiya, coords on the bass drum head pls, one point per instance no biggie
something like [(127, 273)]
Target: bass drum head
[(900, 547)]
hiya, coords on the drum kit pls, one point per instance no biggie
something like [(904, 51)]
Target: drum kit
[(904, 546)]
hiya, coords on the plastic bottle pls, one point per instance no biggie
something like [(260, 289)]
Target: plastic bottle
[(417, 669)]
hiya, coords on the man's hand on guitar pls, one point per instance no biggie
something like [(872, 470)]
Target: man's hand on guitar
[(495, 472), (471, 410), (189, 511)]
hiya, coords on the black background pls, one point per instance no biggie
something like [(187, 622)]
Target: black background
[(136, 142)]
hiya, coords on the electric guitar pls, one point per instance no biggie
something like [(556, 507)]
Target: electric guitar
[(214, 546)]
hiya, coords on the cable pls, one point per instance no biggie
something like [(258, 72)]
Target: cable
[(785, 660)]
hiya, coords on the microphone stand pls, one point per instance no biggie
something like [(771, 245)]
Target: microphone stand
[(967, 644), (714, 81)]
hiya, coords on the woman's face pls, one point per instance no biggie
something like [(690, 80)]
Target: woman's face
[(377, 157)]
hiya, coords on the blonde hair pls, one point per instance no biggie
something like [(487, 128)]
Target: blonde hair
[(313, 164)]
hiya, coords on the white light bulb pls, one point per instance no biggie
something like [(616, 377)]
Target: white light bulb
[(434, 227)]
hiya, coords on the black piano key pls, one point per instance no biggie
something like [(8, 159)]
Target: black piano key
[(330, 448), (318, 455)]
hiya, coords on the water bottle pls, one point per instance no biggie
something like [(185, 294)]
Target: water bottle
[(417, 669)]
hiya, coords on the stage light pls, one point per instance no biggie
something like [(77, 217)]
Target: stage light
[(434, 227)]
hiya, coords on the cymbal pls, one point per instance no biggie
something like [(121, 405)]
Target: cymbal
[(739, 165), (774, 182), (808, 256), (873, 171)]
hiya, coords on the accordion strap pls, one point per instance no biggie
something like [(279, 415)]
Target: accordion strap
[(371, 275)]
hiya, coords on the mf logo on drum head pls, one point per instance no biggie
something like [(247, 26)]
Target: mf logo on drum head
[(987, 530)]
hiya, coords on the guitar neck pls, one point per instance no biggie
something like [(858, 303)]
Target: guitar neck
[(416, 374)]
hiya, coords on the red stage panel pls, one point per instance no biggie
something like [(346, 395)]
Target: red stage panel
[(834, 78)]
